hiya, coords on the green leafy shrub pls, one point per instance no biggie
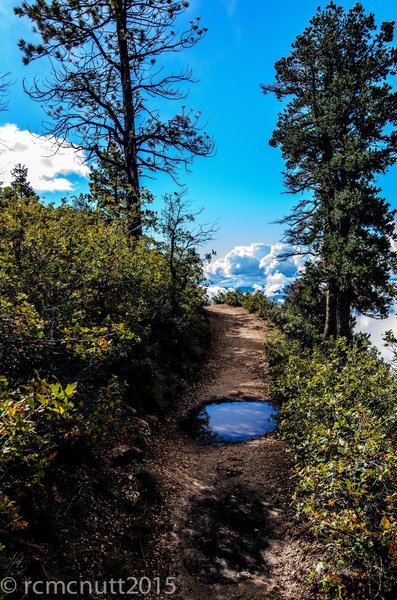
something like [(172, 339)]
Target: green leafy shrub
[(82, 302), (256, 302), (339, 416), (76, 291), (230, 297), (34, 418)]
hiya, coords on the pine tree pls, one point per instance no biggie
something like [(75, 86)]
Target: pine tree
[(20, 183), (109, 187), (106, 83), (336, 135)]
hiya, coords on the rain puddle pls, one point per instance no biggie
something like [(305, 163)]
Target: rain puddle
[(235, 421)]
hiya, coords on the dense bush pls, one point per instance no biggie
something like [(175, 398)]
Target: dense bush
[(230, 297), (74, 288), (89, 319), (339, 416), (34, 419), (255, 302)]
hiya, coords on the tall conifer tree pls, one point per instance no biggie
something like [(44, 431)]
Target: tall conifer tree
[(20, 183), (337, 135)]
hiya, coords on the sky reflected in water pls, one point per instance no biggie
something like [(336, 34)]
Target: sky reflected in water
[(238, 421)]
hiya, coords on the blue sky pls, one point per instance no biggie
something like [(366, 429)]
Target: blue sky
[(241, 187)]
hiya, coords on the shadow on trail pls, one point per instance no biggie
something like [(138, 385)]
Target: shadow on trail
[(226, 534)]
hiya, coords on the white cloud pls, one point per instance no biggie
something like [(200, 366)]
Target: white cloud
[(239, 267), (280, 256), (276, 283), (257, 266), (47, 164), (377, 329)]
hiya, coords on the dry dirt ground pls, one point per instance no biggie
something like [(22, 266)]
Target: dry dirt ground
[(226, 529)]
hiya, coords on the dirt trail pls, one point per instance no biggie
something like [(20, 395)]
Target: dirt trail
[(226, 529)]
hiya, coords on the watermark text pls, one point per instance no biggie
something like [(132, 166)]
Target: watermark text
[(131, 586)]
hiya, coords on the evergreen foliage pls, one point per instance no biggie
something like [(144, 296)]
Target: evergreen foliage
[(339, 417), (336, 135), (20, 181)]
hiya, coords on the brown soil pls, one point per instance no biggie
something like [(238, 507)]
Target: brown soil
[(226, 530)]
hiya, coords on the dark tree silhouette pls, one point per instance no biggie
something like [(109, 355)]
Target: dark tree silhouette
[(109, 186), (20, 182), (106, 83), (181, 240)]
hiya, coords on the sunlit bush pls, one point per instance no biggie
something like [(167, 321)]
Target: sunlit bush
[(339, 416), (89, 319), (34, 418)]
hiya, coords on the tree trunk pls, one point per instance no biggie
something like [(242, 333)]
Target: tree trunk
[(343, 316), (343, 302), (330, 311), (130, 153)]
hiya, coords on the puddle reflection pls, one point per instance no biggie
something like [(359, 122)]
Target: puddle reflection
[(236, 421)]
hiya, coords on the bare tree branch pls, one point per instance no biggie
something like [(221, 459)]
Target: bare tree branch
[(104, 72)]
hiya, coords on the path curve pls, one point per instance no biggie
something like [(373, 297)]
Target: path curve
[(226, 530)]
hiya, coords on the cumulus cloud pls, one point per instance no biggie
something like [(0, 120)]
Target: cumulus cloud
[(280, 259), (377, 329), (48, 165), (239, 267), (265, 268), (257, 266)]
